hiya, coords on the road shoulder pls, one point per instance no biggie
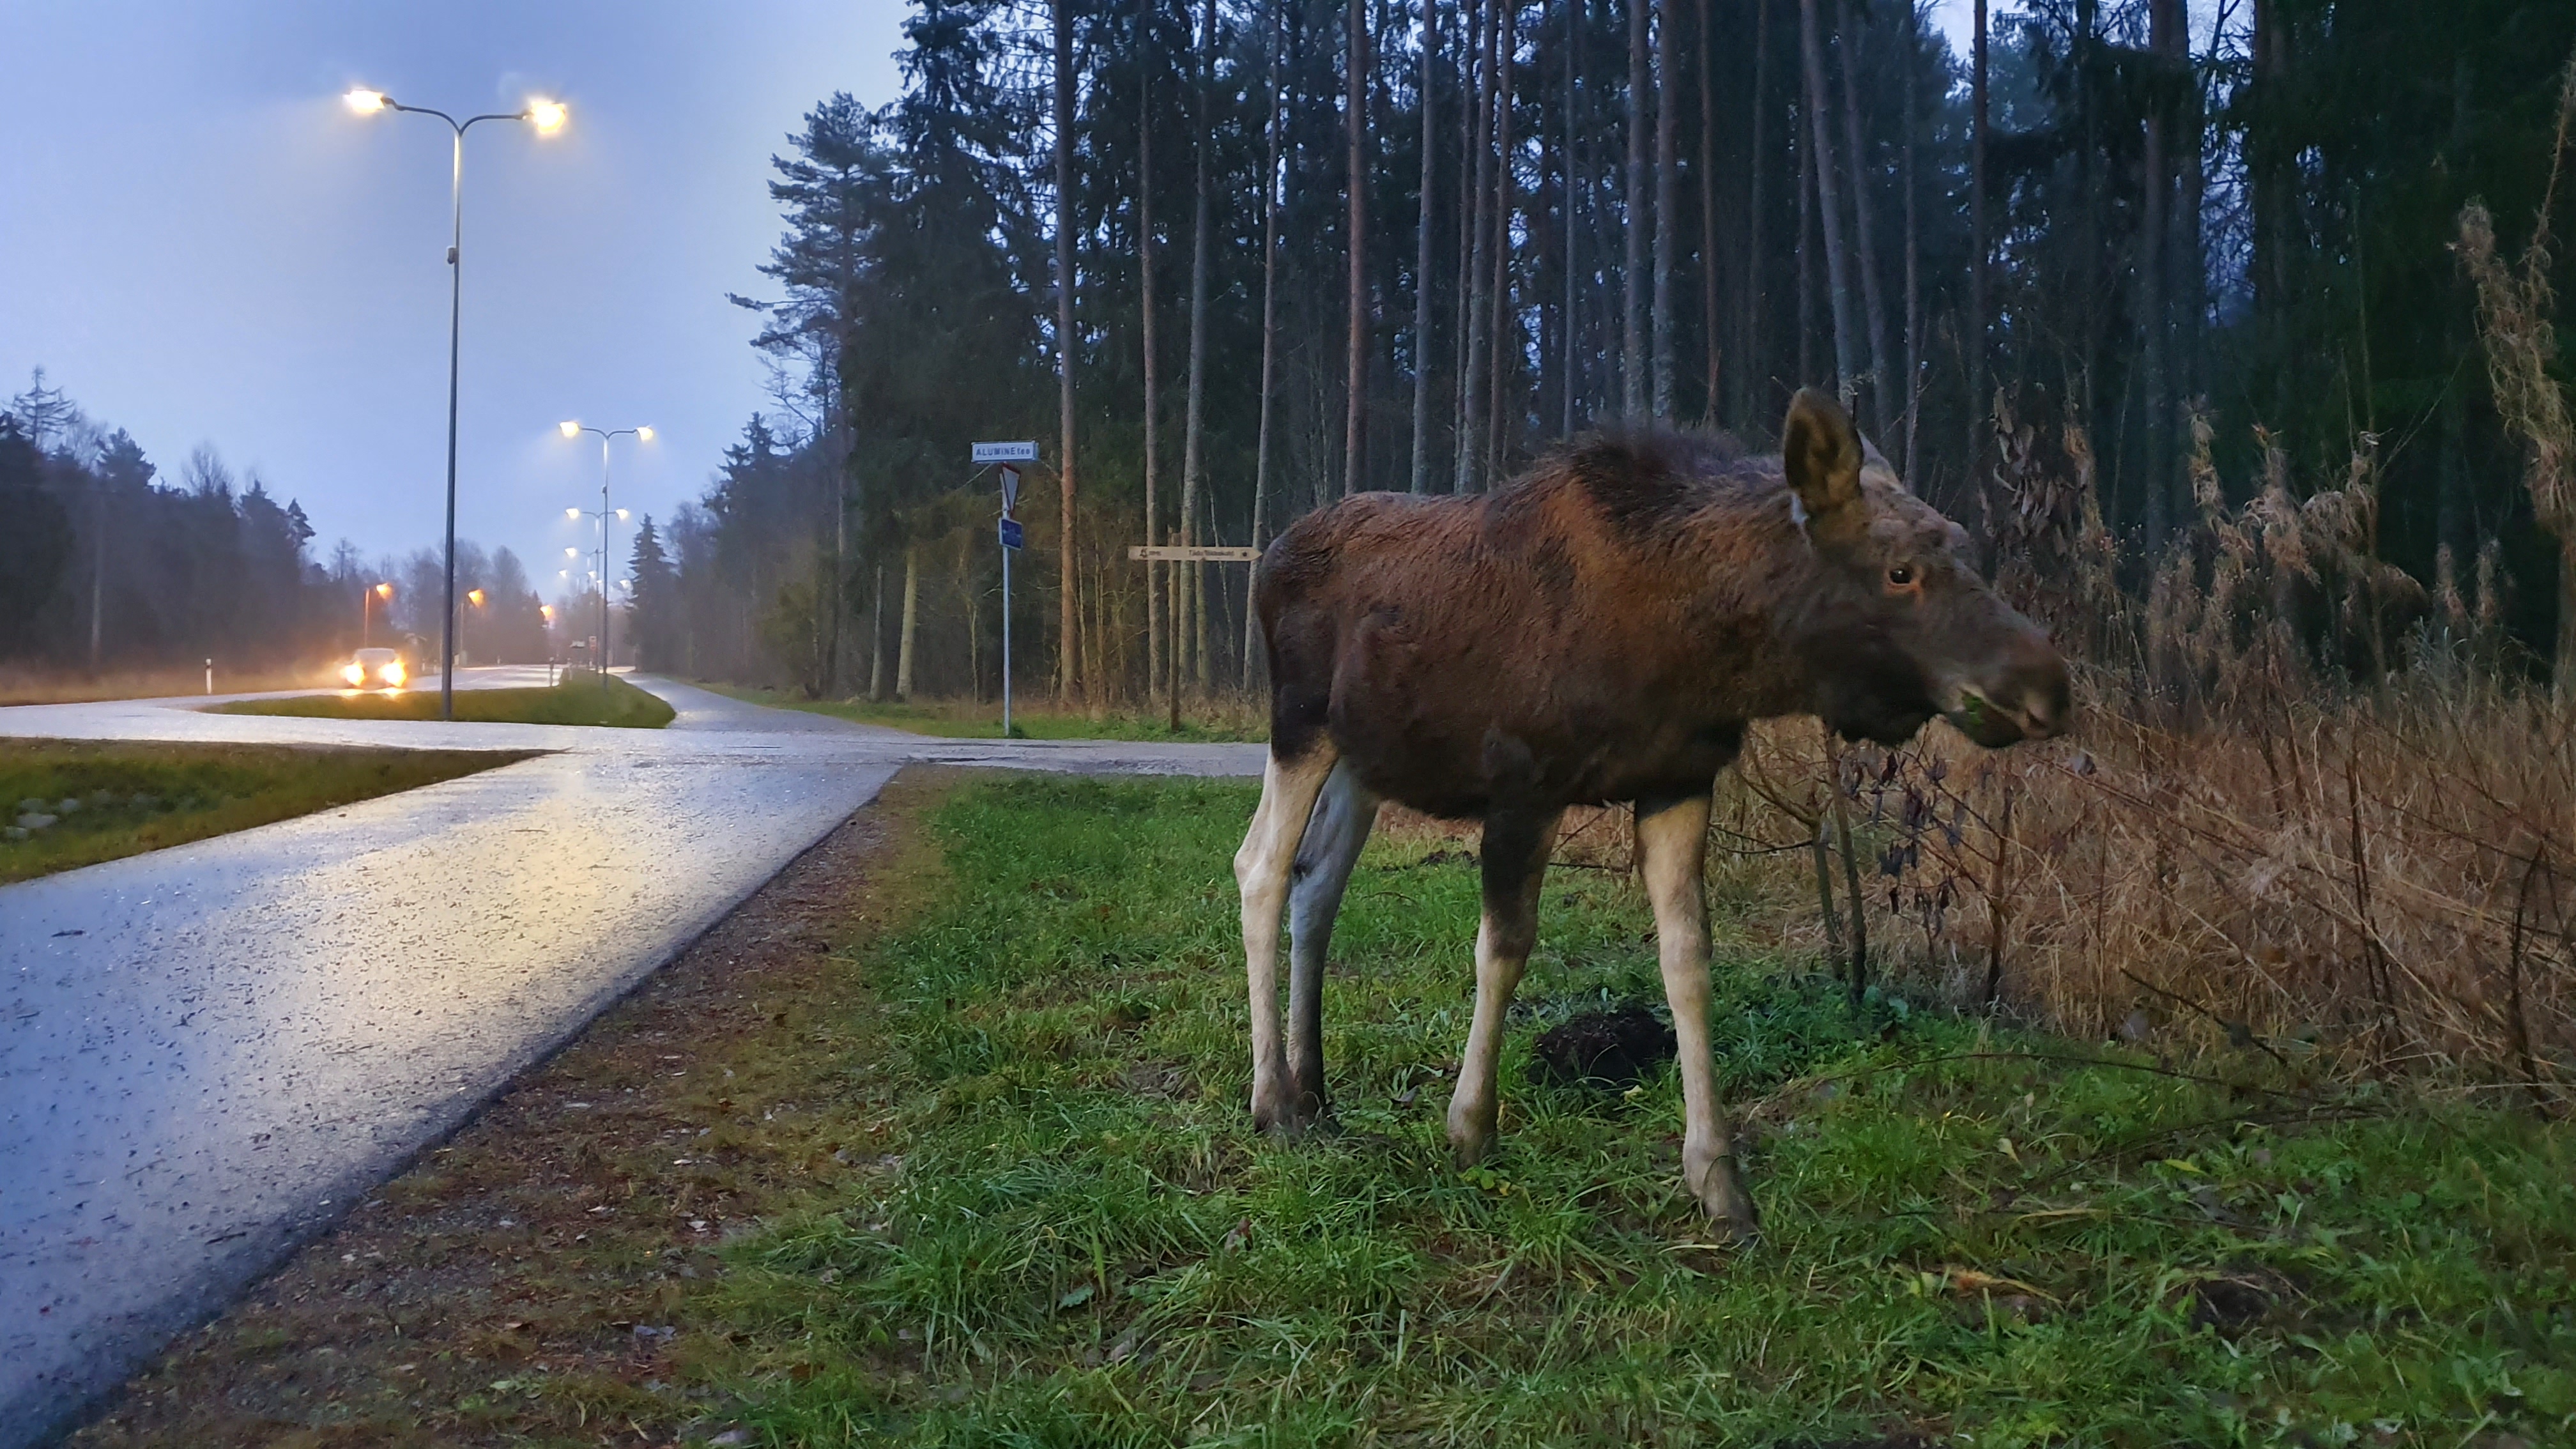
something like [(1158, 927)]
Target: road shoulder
[(518, 1280)]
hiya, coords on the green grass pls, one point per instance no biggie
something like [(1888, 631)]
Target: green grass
[(1079, 1240), (961, 720), (579, 700), (138, 797)]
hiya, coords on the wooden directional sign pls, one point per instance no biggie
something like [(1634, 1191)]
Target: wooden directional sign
[(1006, 453), (1174, 553)]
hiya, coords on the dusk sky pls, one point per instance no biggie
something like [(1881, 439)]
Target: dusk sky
[(200, 243)]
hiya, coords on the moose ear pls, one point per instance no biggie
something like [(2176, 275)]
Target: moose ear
[(1822, 454)]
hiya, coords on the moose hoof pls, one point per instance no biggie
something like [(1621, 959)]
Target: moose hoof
[(1469, 1142), (1731, 1216), (1285, 1119)]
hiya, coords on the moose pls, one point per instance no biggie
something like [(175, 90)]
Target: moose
[(1601, 631)]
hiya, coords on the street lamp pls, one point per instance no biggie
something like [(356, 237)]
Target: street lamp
[(366, 601), (572, 429), (475, 598), (548, 117)]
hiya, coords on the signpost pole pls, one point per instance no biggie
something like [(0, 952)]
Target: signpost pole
[(1006, 454)]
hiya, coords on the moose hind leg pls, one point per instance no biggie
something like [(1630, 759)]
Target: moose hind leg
[(1344, 814), (1514, 863), (1672, 846), (1261, 871)]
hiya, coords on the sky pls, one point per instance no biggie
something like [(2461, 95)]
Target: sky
[(201, 244)]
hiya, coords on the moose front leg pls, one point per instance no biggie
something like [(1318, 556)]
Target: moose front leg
[(1672, 846), (1515, 862), (1261, 869)]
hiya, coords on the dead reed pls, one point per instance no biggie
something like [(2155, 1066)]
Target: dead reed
[(2306, 811)]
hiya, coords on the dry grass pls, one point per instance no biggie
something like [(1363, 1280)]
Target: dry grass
[(2309, 810)]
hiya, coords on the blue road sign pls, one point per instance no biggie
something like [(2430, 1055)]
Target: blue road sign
[(1011, 536)]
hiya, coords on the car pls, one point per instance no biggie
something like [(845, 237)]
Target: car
[(375, 669)]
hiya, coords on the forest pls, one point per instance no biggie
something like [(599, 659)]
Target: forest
[(113, 568), (2230, 332), (1230, 261)]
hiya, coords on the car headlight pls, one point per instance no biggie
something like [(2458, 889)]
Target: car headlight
[(355, 674), (394, 675)]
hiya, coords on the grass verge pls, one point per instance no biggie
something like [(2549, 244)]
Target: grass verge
[(127, 798), (576, 701), (971, 720), (982, 1176)]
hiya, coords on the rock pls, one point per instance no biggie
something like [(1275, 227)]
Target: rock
[(30, 805), (1614, 1048), (70, 805), (14, 832), (33, 820)]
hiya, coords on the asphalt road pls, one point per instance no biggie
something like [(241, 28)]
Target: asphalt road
[(208, 1053)]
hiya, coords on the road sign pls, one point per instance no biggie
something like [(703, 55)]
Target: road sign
[(1010, 487), (1174, 553), (1006, 452), (1012, 537)]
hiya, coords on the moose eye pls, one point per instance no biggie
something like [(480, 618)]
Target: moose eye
[(1899, 577)]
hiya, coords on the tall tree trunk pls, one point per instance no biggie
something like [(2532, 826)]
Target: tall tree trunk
[(1355, 371), (1573, 192), (1829, 204), (911, 621), (1801, 141), (876, 641), (1157, 577), (1913, 248), (2088, 236), (1756, 203), (2164, 26), (1269, 318), (1192, 452), (1632, 279), (1504, 328), (1480, 194), (2453, 516), (1667, 232), (1708, 213), (1864, 247), (1980, 247), (1068, 659), (1418, 477)]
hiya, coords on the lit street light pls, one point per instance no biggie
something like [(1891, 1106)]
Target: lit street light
[(548, 117), (572, 429), (366, 600)]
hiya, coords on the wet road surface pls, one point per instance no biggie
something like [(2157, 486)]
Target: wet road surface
[(208, 1053)]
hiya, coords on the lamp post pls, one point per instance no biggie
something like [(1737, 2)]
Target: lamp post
[(548, 117), (473, 597), (572, 429), (366, 601)]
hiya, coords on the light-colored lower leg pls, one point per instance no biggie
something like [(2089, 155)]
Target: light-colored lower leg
[(1261, 867), (1344, 814), (1515, 864), (1672, 845)]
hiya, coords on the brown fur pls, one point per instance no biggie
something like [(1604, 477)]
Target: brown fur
[(1602, 629)]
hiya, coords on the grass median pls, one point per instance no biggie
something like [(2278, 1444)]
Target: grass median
[(579, 700), (982, 720), (67, 803)]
